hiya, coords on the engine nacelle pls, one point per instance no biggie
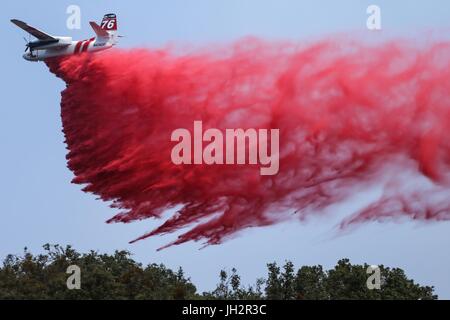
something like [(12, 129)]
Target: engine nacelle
[(64, 40)]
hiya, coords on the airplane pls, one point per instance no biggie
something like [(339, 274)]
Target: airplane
[(47, 46)]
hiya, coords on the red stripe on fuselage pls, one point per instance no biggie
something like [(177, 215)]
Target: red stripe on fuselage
[(86, 45), (77, 47)]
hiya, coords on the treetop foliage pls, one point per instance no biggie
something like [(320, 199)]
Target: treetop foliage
[(118, 276)]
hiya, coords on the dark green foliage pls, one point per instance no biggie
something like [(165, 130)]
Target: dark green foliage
[(117, 276), (103, 276)]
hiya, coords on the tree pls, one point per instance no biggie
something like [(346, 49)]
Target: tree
[(230, 288), (287, 281), (346, 281), (273, 288), (310, 283)]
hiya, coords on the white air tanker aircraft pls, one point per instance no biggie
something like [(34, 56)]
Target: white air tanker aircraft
[(47, 46)]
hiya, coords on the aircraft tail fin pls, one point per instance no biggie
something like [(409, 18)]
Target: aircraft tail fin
[(107, 30), (109, 25)]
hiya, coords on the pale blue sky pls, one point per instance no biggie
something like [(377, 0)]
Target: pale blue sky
[(39, 204)]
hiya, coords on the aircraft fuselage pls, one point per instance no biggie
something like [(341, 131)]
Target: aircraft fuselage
[(44, 51)]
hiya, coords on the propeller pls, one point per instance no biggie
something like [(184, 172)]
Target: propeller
[(27, 44)]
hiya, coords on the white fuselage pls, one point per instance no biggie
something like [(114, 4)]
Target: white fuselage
[(73, 47)]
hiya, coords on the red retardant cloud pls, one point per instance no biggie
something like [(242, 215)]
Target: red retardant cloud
[(345, 112)]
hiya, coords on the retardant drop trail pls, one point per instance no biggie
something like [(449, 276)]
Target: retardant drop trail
[(345, 112)]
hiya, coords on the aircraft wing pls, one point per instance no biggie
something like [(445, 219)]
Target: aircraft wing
[(33, 31)]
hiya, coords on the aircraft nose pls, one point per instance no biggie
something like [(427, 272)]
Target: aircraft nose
[(29, 57)]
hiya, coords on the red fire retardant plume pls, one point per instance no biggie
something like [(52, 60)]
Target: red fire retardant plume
[(347, 113)]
